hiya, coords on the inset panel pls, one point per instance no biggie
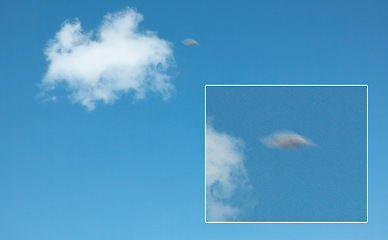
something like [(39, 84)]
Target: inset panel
[(286, 153)]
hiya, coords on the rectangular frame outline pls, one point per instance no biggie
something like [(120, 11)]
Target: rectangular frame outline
[(304, 85)]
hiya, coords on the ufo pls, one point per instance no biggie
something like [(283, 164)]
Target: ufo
[(190, 42), (286, 140)]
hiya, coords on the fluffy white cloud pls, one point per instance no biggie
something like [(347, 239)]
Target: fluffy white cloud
[(286, 140), (117, 59), (224, 173)]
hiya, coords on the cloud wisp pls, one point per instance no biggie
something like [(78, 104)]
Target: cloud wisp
[(286, 140), (225, 172), (101, 66), (190, 42)]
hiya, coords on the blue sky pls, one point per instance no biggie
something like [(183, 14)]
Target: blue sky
[(324, 182), (134, 168)]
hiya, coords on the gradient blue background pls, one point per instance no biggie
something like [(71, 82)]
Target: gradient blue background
[(136, 171), (327, 182)]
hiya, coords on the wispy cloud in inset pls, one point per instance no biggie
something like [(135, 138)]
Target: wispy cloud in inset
[(190, 42), (225, 172), (286, 140), (115, 60)]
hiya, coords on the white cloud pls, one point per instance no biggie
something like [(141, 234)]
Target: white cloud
[(224, 173), (216, 211), (117, 59), (286, 140)]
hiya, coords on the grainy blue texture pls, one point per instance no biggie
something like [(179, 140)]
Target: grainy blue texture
[(326, 182)]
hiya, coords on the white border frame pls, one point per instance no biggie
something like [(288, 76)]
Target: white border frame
[(301, 85)]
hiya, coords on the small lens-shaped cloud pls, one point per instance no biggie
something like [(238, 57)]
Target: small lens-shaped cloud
[(286, 140), (190, 42)]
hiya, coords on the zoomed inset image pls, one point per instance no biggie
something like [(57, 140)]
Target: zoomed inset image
[(286, 153)]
